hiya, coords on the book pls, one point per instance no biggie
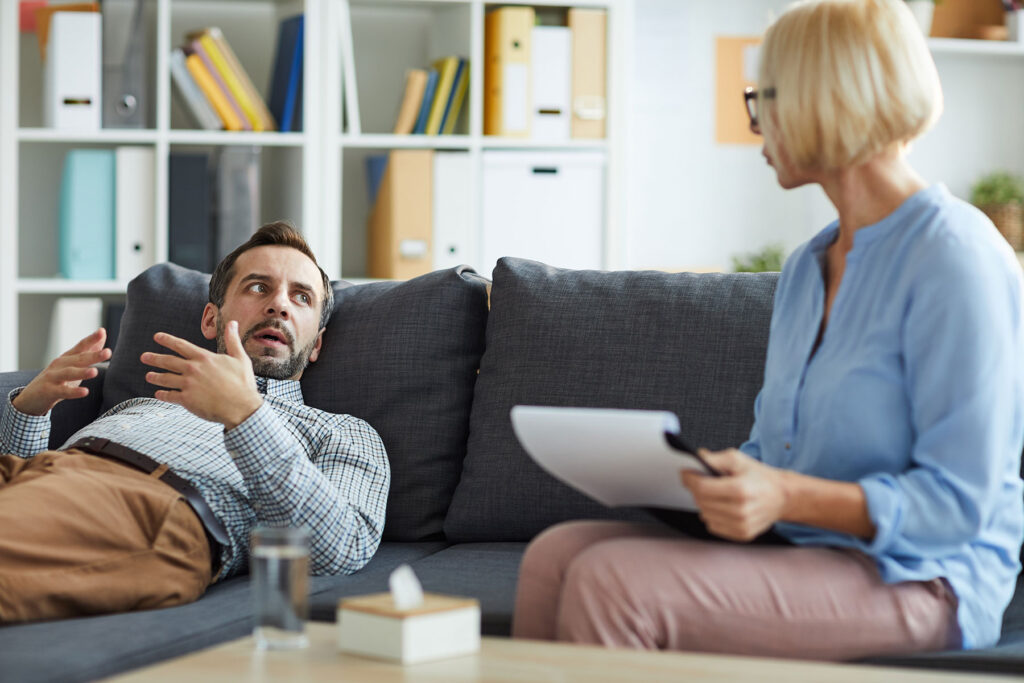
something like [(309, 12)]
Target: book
[(135, 210), (86, 215), (189, 237), (446, 69), (451, 113), (408, 111), (286, 79), (425, 104), (212, 92), (72, 319), (231, 78), (196, 48), (617, 457), (255, 99), (440, 626), (196, 104)]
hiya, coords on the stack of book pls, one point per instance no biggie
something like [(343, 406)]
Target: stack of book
[(218, 92), (433, 98)]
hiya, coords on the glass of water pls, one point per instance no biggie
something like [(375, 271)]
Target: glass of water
[(279, 564)]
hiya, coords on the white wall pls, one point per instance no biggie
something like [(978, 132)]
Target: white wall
[(694, 204)]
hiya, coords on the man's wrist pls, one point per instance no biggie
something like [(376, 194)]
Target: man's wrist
[(243, 412)]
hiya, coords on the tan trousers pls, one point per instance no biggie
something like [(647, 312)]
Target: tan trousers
[(80, 534), (628, 585)]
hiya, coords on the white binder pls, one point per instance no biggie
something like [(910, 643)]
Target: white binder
[(135, 210), (453, 211), (552, 82), (72, 97)]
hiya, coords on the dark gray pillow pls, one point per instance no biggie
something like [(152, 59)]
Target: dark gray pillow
[(692, 344), (401, 355)]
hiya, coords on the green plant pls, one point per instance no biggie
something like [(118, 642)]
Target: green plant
[(768, 259), (998, 188)]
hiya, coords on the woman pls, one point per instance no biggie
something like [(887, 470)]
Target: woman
[(887, 437)]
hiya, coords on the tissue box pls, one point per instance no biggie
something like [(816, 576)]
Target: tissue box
[(442, 626)]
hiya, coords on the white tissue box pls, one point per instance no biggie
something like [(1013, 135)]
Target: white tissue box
[(442, 626)]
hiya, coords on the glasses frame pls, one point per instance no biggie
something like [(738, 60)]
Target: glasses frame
[(751, 96)]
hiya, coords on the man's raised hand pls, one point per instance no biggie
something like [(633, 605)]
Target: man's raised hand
[(63, 377)]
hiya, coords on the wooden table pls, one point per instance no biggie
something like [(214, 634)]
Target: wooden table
[(503, 659)]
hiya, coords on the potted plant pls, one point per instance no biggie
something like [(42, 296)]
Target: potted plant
[(1001, 196), (768, 259), (923, 11)]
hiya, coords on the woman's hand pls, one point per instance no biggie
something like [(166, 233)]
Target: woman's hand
[(742, 503)]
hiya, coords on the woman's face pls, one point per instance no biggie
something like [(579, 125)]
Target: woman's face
[(787, 173)]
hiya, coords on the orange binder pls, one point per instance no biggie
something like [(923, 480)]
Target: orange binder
[(589, 71), (507, 90), (400, 225), (213, 94)]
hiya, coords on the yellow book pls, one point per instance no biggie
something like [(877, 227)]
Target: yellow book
[(461, 86), (230, 78), (209, 87), (259, 106), (446, 69)]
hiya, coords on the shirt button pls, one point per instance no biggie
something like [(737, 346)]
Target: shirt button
[(787, 445)]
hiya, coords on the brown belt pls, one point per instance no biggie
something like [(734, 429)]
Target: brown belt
[(215, 532)]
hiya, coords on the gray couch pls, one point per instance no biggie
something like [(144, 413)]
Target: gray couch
[(435, 371)]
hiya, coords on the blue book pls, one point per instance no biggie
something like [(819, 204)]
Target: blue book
[(375, 165), (286, 80), (460, 73), (86, 215), (428, 99)]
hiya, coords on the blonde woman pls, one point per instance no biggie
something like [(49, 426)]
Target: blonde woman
[(887, 438)]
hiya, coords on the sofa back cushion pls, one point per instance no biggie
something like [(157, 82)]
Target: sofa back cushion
[(401, 355), (692, 344)]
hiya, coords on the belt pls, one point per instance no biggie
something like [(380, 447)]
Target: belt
[(215, 532)]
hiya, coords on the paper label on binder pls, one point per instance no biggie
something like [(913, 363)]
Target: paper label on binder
[(412, 248), (516, 82)]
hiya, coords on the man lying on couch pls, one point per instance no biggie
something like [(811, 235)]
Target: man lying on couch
[(152, 502)]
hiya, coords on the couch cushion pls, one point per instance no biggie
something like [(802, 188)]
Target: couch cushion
[(401, 355), (692, 344)]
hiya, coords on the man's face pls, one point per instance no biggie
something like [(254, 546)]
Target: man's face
[(275, 294)]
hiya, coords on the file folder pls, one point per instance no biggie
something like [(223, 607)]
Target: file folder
[(507, 90), (453, 243), (135, 210), (552, 82), (124, 64), (189, 238), (72, 72), (86, 215), (400, 224), (589, 71)]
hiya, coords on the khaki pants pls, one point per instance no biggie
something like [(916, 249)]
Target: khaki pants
[(629, 585), (80, 534)]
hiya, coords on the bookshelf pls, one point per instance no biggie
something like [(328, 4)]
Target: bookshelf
[(315, 177)]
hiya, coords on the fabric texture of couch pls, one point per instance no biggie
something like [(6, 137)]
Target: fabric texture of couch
[(465, 498)]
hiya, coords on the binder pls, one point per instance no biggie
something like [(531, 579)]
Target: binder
[(446, 69), (200, 51), (237, 192), (124, 64), (453, 242), (71, 319), (552, 82), (213, 94), (589, 71), (44, 15), (196, 104), (400, 223), (189, 239), (286, 82), (72, 90), (451, 113), (428, 99), (134, 210), (412, 98), (507, 89), (86, 215)]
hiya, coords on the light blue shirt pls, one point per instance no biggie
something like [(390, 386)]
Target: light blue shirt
[(916, 393)]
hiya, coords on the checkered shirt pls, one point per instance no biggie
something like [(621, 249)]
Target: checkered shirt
[(287, 465)]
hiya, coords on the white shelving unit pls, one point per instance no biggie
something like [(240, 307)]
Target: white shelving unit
[(310, 177)]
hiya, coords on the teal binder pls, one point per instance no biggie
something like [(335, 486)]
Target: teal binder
[(86, 215)]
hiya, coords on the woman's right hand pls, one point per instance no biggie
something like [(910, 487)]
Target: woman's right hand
[(63, 377)]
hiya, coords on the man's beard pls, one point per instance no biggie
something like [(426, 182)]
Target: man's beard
[(266, 366)]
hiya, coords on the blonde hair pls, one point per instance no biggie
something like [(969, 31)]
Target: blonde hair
[(851, 77)]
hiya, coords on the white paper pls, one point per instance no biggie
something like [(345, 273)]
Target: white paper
[(617, 457), (406, 591)]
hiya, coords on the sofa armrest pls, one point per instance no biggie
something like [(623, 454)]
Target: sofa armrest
[(69, 416)]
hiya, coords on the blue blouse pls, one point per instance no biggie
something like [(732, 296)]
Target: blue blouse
[(916, 393)]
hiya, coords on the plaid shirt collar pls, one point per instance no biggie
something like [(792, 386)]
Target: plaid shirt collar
[(286, 389)]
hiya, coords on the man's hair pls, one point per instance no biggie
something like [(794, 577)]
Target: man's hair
[(276, 234), (851, 77)]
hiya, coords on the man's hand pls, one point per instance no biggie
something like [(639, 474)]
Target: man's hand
[(742, 503), (63, 377), (219, 387)]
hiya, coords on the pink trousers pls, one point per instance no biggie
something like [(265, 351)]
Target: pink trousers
[(636, 586)]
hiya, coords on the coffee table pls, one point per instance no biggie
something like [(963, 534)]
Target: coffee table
[(503, 659)]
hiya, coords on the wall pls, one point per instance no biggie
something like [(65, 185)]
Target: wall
[(695, 204)]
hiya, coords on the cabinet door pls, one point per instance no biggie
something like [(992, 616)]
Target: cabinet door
[(543, 206)]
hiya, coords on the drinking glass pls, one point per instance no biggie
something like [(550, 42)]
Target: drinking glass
[(279, 564)]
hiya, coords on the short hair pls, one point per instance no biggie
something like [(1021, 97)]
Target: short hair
[(277, 234), (851, 77)]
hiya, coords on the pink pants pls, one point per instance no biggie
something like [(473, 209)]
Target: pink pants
[(629, 585)]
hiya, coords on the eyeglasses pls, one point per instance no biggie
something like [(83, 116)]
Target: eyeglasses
[(750, 98)]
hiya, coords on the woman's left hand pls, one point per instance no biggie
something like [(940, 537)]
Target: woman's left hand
[(744, 501)]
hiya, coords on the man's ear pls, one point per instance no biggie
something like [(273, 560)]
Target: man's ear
[(209, 322), (316, 347)]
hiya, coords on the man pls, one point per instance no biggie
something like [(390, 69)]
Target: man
[(155, 500)]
